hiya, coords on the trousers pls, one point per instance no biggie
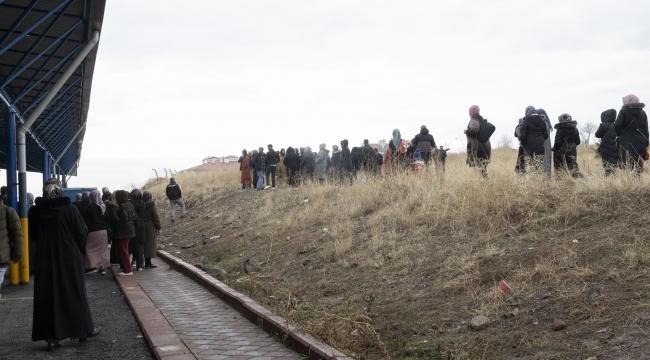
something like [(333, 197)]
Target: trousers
[(172, 207), (122, 253)]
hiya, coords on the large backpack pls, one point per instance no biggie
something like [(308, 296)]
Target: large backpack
[(486, 130)]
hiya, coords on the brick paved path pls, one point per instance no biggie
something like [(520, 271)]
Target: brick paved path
[(209, 327)]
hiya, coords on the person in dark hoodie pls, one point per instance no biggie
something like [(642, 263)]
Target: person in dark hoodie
[(631, 126), (367, 158), (532, 134), (354, 160), (608, 148), (292, 163), (478, 153), (61, 307), (272, 160), (137, 242), (308, 163), (335, 171), (547, 143), (565, 153), (346, 160), (425, 142)]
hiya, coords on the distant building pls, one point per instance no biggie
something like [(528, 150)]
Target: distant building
[(212, 163)]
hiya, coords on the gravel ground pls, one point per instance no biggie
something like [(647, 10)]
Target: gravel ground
[(120, 337)]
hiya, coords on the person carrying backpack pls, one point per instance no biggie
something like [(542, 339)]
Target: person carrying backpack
[(478, 134)]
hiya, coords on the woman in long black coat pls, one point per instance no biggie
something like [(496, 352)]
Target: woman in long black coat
[(608, 148), (565, 153), (292, 163), (60, 301), (532, 134), (137, 242), (632, 129)]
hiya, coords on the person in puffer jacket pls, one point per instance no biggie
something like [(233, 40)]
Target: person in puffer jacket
[(532, 134), (565, 153), (631, 126), (425, 142), (608, 148)]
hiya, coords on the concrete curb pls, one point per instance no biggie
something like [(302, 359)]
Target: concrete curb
[(300, 342), (163, 340)]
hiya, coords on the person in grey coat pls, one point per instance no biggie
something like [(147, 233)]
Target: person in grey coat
[(321, 163), (547, 142)]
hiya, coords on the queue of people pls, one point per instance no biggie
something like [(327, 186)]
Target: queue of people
[(624, 143)]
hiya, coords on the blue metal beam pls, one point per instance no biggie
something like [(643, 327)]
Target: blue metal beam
[(58, 96), (61, 139), (67, 102), (46, 166), (72, 109), (17, 71), (56, 67), (10, 131), (18, 21), (60, 125), (29, 29)]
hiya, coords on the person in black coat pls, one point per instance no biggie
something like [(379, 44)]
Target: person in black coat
[(355, 160), (308, 163), (366, 157), (565, 153), (61, 307), (632, 129), (346, 160), (124, 231), (608, 148), (136, 245), (292, 162), (532, 134), (425, 142)]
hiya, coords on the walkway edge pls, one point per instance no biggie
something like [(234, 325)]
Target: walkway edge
[(163, 340), (274, 325)]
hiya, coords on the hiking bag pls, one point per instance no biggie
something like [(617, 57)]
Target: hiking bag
[(486, 130)]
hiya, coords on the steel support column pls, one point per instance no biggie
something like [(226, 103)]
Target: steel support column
[(10, 130), (46, 166)]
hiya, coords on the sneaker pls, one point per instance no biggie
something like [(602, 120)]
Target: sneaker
[(91, 271), (172, 221), (267, 187), (182, 216), (102, 272), (273, 188), (139, 269), (125, 274), (150, 266)]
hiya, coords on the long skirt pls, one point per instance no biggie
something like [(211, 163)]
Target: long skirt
[(534, 164), (97, 253)]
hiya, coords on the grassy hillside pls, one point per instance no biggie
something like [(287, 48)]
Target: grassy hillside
[(398, 269)]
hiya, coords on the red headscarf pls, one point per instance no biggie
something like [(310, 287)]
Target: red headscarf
[(474, 110), (630, 99)]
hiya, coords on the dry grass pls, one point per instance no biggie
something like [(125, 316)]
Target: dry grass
[(407, 262)]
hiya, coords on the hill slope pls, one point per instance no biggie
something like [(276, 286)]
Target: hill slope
[(399, 268)]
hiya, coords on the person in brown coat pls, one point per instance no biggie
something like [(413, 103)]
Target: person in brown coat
[(11, 238), (151, 229), (246, 180)]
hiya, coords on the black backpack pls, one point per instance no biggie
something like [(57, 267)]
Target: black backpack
[(486, 131)]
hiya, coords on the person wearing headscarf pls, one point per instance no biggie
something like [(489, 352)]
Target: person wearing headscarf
[(255, 164), (292, 163), (124, 231), (396, 152), (136, 245), (151, 229), (105, 194), (281, 167), (307, 163), (565, 153), (532, 134), (346, 160), (631, 126), (245, 169), (547, 142), (478, 153), (97, 252), (111, 216), (608, 148), (519, 166), (321, 163), (85, 202), (61, 307), (336, 162), (417, 163)]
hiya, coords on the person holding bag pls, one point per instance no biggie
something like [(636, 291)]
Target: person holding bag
[(479, 148)]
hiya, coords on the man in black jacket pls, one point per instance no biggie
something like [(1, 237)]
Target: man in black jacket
[(175, 196), (272, 160), (425, 142)]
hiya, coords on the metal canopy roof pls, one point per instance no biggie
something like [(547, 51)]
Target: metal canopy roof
[(38, 39)]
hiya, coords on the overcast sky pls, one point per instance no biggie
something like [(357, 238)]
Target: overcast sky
[(177, 81)]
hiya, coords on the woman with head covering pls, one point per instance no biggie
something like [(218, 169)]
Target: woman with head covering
[(478, 153), (124, 231), (608, 148), (396, 153), (97, 253), (532, 134), (137, 242), (245, 169), (631, 126), (346, 160), (547, 142), (111, 216), (61, 308), (336, 162), (308, 163), (418, 164), (320, 163), (105, 194), (519, 167), (151, 229), (281, 167), (82, 206), (565, 153), (292, 163)]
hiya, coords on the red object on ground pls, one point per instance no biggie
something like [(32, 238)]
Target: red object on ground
[(504, 287)]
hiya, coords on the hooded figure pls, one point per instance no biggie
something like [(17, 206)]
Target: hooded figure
[(425, 142), (124, 231), (336, 160), (567, 139), (532, 134), (608, 148), (308, 163), (292, 163), (136, 244), (346, 158), (321, 162), (547, 141), (60, 301), (478, 153), (632, 129)]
